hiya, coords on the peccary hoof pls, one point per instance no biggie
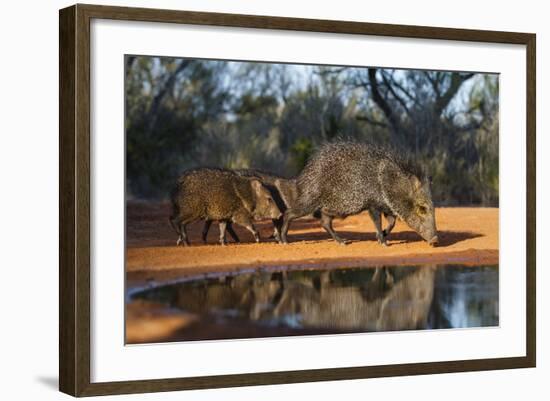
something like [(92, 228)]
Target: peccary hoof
[(342, 241)]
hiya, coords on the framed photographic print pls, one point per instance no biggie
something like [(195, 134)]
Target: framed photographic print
[(251, 200)]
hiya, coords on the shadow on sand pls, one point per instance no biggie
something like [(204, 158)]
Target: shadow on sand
[(446, 238)]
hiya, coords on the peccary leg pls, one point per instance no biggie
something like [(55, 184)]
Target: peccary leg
[(179, 228), (254, 232), (229, 228), (183, 235), (326, 223), (247, 223), (290, 214), (391, 223), (376, 217), (223, 226), (232, 232), (205, 229), (175, 222), (277, 223)]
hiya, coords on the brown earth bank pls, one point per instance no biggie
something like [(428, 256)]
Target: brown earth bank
[(467, 235)]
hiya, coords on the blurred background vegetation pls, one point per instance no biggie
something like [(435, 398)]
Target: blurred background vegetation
[(184, 113)]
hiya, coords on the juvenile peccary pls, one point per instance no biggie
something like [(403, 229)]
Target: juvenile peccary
[(217, 194), (346, 178), (282, 190)]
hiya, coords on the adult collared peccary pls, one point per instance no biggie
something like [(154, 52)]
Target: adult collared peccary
[(283, 191), (218, 194), (346, 178)]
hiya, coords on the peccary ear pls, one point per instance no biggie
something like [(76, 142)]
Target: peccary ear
[(416, 183), (257, 186)]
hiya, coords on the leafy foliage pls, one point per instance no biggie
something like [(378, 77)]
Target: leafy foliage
[(183, 113)]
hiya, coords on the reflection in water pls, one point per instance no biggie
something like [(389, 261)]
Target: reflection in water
[(341, 300)]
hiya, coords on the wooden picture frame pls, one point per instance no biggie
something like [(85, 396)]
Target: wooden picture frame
[(74, 204)]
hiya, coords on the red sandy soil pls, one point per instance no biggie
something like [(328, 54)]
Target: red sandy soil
[(466, 236)]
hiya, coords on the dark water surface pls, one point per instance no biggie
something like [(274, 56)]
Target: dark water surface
[(299, 302)]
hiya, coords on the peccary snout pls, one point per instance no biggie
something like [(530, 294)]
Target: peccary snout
[(421, 216)]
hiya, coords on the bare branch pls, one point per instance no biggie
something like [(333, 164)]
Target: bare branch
[(457, 79), (381, 102), (395, 96), (434, 82), (403, 90)]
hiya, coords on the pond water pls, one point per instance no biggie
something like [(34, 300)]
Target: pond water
[(346, 300)]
